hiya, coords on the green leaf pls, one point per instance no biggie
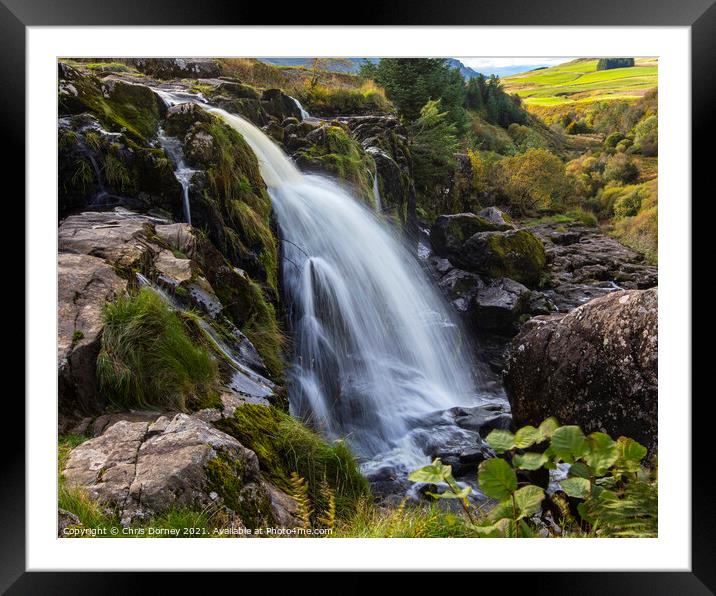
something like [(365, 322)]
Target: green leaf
[(526, 437), (547, 428), (530, 461), (432, 473), (576, 487), (568, 443), (529, 500), (501, 440), (630, 454), (550, 455), (497, 479), (449, 494), (602, 452), (497, 530), (525, 530), (580, 470)]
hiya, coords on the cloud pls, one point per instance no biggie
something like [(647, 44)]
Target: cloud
[(503, 62)]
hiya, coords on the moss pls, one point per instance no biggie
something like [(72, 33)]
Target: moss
[(333, 151), (120, 106), (227, 478), (284, 445), (517, 254)]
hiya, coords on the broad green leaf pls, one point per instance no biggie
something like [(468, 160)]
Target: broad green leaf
[(449, 494), (432, 473), (568, 443), (630, 454), (497, 530), (502, 509), (550, 455), (529, 500), (497, 479), (501, 440), (576, 487), (547, 428), (602, 452), (530, 461), (526, 437), (604, 494), (580, 470)]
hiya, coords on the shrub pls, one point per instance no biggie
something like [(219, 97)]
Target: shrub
[(628, 203), (621, 168), (613, 139), (148, 358), (285, 446), (646, 136), (534, 180), (588, 218)]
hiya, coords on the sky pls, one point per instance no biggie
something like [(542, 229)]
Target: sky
[(506, 66)]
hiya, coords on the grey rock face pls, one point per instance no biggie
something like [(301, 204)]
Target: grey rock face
[(145, 467), (595, 367)]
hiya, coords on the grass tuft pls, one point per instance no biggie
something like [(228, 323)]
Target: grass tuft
[(148, 358)]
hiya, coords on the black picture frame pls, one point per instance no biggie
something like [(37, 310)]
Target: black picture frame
[(699, 15)]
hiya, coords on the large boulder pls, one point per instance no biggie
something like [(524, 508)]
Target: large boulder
[(85, 284), (450, 232), (517, 254), (595, 367), (142, 468), (178, 68), (276, 103)]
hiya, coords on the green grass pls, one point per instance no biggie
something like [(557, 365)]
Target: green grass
[(148, 358), (580, 81), (284, 445)]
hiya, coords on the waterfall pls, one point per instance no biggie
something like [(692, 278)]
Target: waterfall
[(304, 114), (183, 173), (375, 346), (376, 193)]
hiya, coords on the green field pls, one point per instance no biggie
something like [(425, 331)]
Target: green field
[(579, 81)]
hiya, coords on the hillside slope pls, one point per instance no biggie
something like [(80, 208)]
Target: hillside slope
[(579, 81)]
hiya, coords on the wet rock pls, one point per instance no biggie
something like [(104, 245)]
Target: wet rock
[(180, 118), (276, 103), (499, 305), (595, 367), (85, 283)]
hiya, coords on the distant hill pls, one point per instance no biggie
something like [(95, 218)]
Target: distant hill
[(355, 64), (579, 81)]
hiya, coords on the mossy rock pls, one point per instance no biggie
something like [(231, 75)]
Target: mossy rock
[(450, 232), (251, 109), (231, 201), (516, 254), (228, 478), (180, 118), (330, 149), (131, 174), (284, 446), (237, 90), (120, 106)]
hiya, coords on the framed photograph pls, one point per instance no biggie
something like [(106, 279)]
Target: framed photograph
[(407, 294)]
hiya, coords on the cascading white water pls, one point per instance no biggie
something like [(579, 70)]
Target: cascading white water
[(182, 172), (304, 114), (375, 347), (376, 193)]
